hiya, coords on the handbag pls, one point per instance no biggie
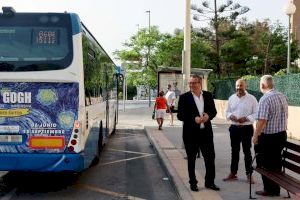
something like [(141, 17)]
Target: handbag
[(153, 114)]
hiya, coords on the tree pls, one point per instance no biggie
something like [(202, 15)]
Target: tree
[(235, 51), (216, 15), (169, 51), (269, 45), (136, 53)]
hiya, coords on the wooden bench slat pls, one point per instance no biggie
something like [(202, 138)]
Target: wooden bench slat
[(291, 156), (291, 166), (292, 146), (287, 182), (291, 180), (278, 175)]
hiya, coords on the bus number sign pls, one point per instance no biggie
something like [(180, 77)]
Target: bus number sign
[(45, 37)]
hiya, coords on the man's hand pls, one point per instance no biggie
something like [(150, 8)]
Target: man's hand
[(242, 119), (198, 119), (255, 139), (205, 117), (233, 118), (202, 119), (260, 125)]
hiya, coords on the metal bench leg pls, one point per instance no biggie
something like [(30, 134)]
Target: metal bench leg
[(250, 188), (251, 172)]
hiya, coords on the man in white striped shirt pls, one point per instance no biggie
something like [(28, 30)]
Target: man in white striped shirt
[(270, 133), (241, 111)]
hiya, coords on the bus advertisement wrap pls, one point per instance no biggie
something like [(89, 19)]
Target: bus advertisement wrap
[(33, 112), (42, 126)]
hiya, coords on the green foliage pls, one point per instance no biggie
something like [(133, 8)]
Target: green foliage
[(202, 53), (281, 72), (140, 51), (169, 50), (248, 77), (246, 49), (219, 16), (129, 55), (236, 50)]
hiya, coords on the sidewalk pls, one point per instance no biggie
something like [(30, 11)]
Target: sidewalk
[(168, 144)]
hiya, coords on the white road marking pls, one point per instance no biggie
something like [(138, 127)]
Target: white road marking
[(128, 137), (135, 152), (107, 192), (124, 160)]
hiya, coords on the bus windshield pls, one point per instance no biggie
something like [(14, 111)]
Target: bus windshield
[(35, 42)]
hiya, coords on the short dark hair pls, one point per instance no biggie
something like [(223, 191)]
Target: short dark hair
[(161, 93)]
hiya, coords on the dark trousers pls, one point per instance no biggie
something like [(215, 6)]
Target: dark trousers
[(206, 145), (269, 149), (238, 135)]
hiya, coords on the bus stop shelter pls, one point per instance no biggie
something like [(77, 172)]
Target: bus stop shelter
[(174, 77)]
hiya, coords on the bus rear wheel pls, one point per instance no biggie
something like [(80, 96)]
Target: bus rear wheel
[(99, 146)]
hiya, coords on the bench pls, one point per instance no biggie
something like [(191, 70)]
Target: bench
[(289, 177)]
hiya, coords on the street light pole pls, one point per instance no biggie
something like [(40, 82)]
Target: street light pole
[(149, 16), (186, 57), (289, 9)]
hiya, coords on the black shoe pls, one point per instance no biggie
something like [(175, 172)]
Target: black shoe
[(212, 187), (194, 188)]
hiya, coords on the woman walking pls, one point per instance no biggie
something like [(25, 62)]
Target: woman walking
[(160, 106)]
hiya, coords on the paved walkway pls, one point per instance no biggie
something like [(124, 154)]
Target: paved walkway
[(168, 144)]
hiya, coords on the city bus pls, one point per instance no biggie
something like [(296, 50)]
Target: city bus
[(58, 93)]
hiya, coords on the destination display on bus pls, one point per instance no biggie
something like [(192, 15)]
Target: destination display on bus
[(45, 36), (35, 42)]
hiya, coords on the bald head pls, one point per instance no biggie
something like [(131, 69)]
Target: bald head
[(240, 87), (241, 81)]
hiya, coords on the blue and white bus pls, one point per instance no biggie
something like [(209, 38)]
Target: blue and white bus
[(58, 93)]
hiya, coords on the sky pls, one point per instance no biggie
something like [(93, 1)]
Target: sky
[(113, 22)]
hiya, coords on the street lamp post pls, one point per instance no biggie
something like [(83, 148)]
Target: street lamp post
[(289, 9), (149, 24)]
